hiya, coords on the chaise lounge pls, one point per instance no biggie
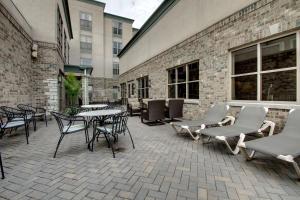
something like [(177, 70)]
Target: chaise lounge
[(251, 120), (214, 117), (283, 146)]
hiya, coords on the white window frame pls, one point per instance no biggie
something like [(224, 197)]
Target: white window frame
[(116, 69), (116, 26), (259, 73), (186, 82)]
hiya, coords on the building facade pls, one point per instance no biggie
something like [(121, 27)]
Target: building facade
[(247, 52), (34, 38), (98, 38)]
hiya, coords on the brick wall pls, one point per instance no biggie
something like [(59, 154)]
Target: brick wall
[(15, 62), (22, 78), (211, 47), (103, 88)]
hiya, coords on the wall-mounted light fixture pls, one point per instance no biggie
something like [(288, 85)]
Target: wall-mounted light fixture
[(34, 50)]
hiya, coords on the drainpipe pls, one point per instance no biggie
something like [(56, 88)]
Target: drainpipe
[(85, 92)]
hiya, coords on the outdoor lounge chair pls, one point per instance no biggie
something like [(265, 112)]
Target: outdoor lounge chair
[(251, 120), (284, 146), (133, 106), (67, 126), (214, 117)]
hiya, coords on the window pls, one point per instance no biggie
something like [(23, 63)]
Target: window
[(131, 89), (85, 44), (59, 31), (86, 62), (266, 71), (123, 93), (115, 69), (183, 81), (65, 47), (117, 47), (115, 92), (143, 87), (117, 29), (85, 21)]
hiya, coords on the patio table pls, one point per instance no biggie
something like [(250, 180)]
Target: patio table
[(100, 116), (94, 106)]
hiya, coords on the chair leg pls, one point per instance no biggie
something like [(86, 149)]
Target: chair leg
[(130, 137), (27, 132), (1, 166), (59, 141), (45, 118), (34, 124), (111, 145)]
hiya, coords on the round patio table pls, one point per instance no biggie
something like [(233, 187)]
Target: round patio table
[(94, 106), (100, 116)]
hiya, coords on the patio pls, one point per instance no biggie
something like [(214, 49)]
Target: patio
[(163, 166)]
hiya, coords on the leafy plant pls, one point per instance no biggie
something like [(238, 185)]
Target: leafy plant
[(71, 111), (72, 86)]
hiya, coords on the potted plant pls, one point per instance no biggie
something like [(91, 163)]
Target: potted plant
[(73, 87)]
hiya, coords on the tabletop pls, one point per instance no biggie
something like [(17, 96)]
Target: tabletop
[(99, 113), (94, 106)]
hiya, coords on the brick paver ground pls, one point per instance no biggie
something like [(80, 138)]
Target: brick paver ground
[(163, 166)]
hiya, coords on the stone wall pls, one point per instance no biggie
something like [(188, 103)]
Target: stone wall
[(45, 73), (211, 48), (15, 62)]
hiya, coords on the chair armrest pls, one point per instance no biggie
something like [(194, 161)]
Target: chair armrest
[(267, 124), (227, 119)]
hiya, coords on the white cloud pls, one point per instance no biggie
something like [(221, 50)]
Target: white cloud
[(139, 10)]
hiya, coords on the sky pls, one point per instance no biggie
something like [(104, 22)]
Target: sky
[(139, 10)]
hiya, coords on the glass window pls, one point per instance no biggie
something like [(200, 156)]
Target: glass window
[(193, 71), (245, 87), (59, 31), (86, 44), (245, 60), (181, 71), (193, 90), (277, 79), (117, 28), (117, 47), (171, 91), (143, 87), (279, 53), (181, 87), (181, 90), (279, 86), (85, 21), (85, 61), (115, 69), (172, 76)]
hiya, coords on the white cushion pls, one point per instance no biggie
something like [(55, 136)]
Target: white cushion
[(74, 128)]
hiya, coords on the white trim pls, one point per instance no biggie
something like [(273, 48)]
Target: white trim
[(298, 65), (278, 105), (259, 68)]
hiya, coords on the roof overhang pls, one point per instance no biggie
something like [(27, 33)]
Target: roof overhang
[(68, 18), (78, 69)]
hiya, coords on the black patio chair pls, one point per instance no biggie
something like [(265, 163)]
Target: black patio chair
[(37, 113), (1, 167), (111, 132), (14, 119), (67, 126)]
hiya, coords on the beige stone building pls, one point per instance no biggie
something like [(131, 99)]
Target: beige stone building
[(34, 47), (243, 52), (98, 38)]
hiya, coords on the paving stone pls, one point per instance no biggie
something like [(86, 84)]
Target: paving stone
[(163, 166)]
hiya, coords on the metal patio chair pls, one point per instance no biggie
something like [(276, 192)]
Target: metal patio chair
[(14, 119), (283, 146), (111, 132), (216, 116), (37, 113), (251, 120), (67, 126)]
